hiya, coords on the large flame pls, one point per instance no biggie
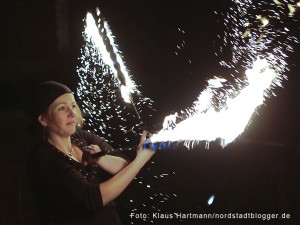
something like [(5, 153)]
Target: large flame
[(228, 123)]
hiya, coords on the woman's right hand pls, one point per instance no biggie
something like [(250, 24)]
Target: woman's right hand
[(144, 155)]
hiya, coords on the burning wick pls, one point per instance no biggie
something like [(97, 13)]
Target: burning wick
[(110, 54), (127, 86)]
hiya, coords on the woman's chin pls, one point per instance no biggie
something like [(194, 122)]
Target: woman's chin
[(70, 131), (73, 131)]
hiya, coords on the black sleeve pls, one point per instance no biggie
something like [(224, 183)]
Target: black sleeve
[(87, 194), (93, 139)]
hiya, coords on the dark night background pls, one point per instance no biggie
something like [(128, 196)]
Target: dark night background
[(41, 40)]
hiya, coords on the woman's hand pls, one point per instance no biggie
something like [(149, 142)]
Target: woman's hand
[(113, 187), (87, 154), (143, 155)]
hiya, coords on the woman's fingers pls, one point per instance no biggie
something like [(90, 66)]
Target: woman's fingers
[(143, 138), (93, 148), (87, 154)]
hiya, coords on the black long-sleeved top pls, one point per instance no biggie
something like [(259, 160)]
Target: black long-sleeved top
[(66, 191)]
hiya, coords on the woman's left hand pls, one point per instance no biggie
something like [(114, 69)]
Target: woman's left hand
[(87, 154)]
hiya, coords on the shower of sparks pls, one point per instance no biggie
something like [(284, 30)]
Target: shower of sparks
[(103, 85), (157, 197), (259, 36), (180, 46), (92, 32)]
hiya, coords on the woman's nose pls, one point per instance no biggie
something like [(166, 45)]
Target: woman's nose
[(71, 112)]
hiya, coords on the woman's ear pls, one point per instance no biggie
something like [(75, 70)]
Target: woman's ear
[(42, 120)]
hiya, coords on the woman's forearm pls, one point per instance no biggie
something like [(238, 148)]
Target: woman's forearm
[(113, 187), (112, 164)]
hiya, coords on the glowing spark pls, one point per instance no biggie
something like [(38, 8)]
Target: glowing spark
[(292, 9), (247, 32), (264, 21), (211, 200), (260, 37), (277, 2)]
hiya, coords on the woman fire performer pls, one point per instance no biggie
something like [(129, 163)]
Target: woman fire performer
[(69, 184)]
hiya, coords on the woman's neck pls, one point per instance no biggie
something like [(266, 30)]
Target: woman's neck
[(61, 143)]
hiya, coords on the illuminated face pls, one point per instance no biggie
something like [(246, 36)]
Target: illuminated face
[(61, 119)]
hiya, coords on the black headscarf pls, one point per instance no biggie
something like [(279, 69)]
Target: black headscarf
[(45, 94)]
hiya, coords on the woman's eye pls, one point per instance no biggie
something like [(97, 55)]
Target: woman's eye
[(73, 106), (61, 108)]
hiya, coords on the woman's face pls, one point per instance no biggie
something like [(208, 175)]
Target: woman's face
[(62, 119)]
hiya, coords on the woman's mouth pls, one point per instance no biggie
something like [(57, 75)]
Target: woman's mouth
[(70, 123)]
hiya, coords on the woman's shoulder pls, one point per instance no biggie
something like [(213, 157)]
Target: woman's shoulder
[(42, 150), (81, 132), (88, 136), (42, 156)]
